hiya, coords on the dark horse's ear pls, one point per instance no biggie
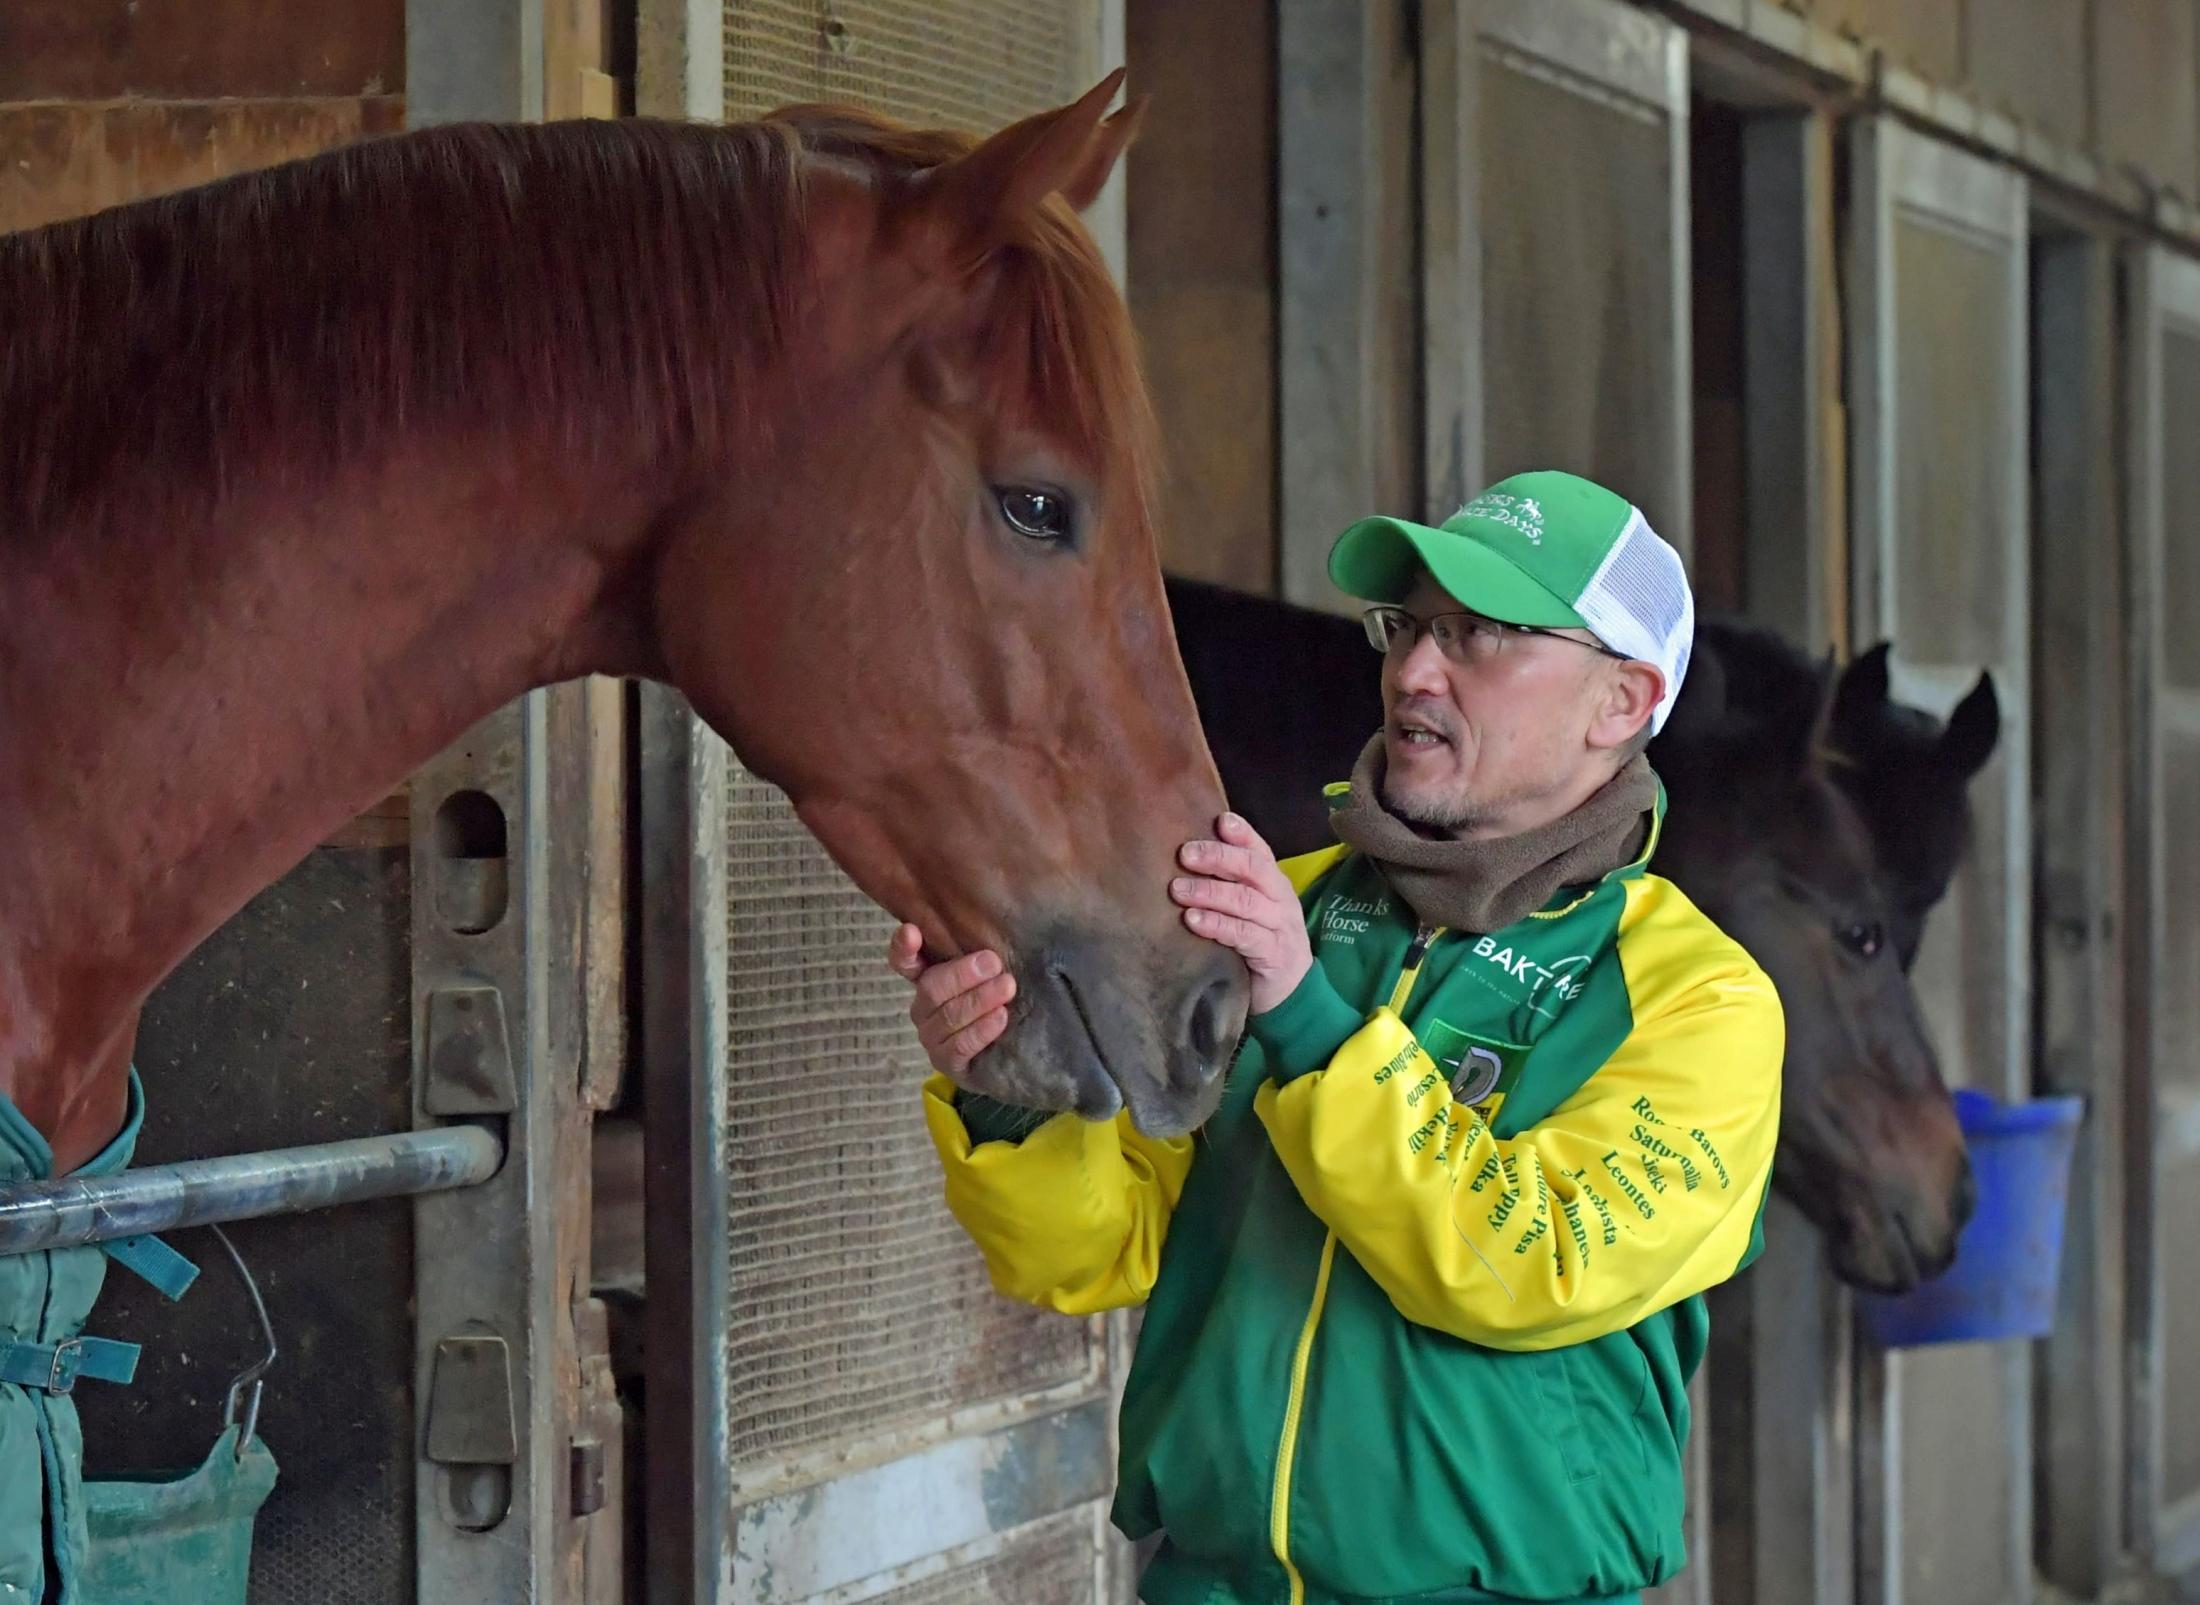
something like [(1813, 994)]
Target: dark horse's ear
[(1972, 730), (968, 206), (1863, 689), (1817, 729)]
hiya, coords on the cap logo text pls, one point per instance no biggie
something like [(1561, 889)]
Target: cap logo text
[(1521, 513)]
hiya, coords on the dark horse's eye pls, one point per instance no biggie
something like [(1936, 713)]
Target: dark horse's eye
[(1043, 515), (1865, 938)]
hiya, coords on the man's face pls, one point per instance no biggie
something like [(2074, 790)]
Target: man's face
[(1495, 746)]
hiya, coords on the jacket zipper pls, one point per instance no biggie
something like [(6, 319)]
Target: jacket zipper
[(1279, 1504), (1410, 971)]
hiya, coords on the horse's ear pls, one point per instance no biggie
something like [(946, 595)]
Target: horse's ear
[(1106, 149), (1972, 730), (1818, 728), (1863, 690), (971, 204)]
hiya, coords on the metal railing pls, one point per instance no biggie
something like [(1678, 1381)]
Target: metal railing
[(282, 1181)]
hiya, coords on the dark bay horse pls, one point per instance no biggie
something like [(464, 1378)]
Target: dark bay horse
[(835, 426), (1777, 842), (1908, 773)]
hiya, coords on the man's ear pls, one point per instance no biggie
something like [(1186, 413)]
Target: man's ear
[(1632, 692)]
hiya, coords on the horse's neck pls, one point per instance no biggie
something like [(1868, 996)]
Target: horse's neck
[(187, 710)]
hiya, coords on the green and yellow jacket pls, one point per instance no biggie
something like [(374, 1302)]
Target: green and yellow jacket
[(1423, 1298)]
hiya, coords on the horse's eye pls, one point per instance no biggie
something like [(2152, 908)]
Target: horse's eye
[(1043, 515), (1865, 938)]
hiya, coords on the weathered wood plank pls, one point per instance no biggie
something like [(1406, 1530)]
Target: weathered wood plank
[(1201, 221), (65, 159), (1350, 363), (198, 50)]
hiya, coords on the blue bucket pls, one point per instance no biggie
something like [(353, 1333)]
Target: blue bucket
[(2002, 1284)]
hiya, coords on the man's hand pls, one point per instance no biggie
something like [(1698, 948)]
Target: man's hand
[(961, 1007), (1236, 896)]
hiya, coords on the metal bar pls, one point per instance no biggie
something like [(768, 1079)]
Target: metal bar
[(284, 1181)]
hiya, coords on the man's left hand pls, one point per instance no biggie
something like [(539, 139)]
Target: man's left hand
[(1235, 895)]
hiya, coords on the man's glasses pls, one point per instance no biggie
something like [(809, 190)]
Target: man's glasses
[(1461, 637)]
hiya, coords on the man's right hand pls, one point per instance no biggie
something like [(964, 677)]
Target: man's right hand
[(961, 1007)]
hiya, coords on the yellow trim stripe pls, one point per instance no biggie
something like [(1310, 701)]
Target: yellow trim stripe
[(1406, 977), (1307, 868), (1279, 1510), (1657, 829), (1287, 1448)]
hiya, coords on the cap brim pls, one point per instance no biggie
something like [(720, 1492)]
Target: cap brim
[(1379, 559)]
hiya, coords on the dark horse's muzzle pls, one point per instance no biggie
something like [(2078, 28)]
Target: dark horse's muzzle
[(1886, 1178)]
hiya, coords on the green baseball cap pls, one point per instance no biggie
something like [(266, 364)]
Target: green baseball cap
[(1544, 548)]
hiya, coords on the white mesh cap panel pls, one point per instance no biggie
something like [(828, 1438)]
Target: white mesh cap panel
[(1638, 602)]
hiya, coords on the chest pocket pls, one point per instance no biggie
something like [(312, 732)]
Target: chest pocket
[(1483, 1071)]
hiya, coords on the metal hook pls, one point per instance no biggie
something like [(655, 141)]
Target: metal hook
[(243, 1403)]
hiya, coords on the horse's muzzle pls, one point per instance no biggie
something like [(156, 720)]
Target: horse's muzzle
[(1900, 1235), (1169, 1078), (1102, 1025)]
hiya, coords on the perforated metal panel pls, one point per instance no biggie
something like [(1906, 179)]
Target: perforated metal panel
[(956, 63), (857, 1306)]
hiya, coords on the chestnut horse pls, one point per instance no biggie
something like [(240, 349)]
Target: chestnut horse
[(836, 427), (1777, 771)]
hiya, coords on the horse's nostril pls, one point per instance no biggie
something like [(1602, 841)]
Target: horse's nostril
[(1208, 1031)]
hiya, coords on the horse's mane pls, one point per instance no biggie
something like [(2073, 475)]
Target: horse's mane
[(569, 278)]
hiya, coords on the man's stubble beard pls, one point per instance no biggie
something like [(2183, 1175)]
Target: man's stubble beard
[(1448, 815)]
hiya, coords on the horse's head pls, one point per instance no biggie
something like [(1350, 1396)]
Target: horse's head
[(1783, 860), (928, 604), (1909, 774)]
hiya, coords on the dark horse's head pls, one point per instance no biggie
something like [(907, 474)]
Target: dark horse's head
[(1908, 773), (1782, 855)]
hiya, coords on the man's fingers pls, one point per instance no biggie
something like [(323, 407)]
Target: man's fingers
[(1239, 832), (1242, 937), (974, 1038), (1228, 897), (905, 952), (1220, 860), (967, 1008), (942, 982)]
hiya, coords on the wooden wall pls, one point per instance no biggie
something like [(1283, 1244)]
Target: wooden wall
[(105, 101), (1202, 226), (2118, 78)]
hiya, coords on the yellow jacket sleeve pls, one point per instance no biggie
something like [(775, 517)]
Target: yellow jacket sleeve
[(1640, 1190), (1072, 1217)]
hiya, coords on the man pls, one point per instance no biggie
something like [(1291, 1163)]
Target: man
[(1423, 1299)]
